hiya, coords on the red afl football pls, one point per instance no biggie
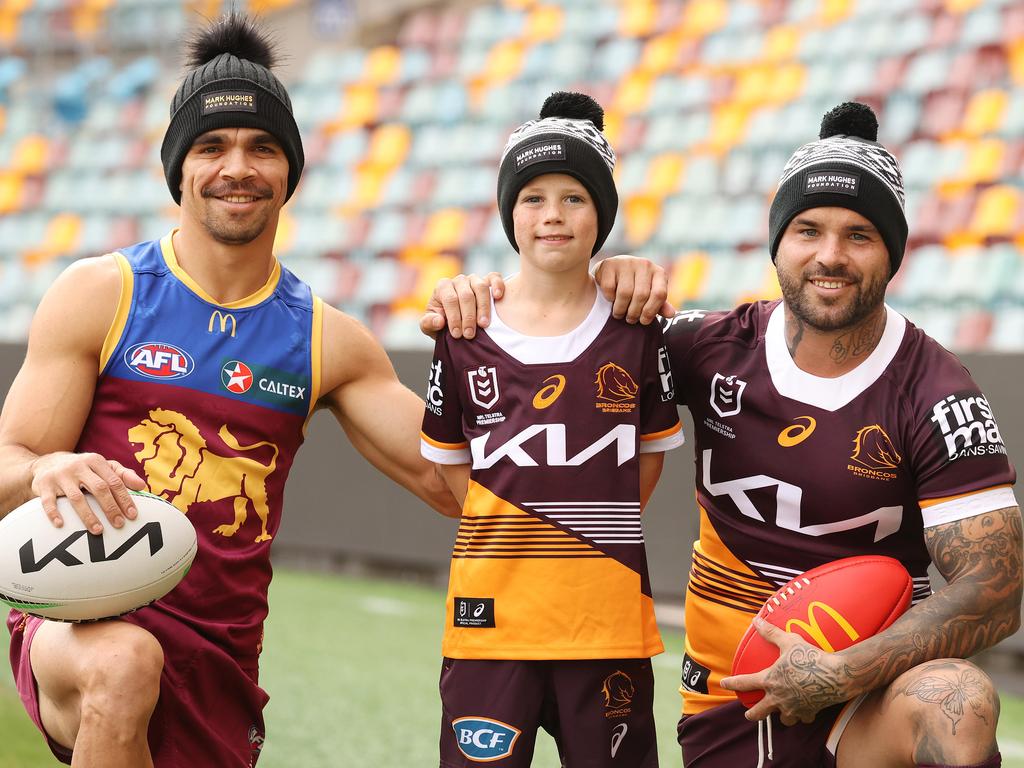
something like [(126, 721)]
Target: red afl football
[(832, 607)]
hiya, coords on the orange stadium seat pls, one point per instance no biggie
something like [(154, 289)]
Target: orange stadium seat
[(445, 230), (686, 283), (702, 17), (389, 145), (634, 92), (642, 214), (543, 23), (997, 211), (30, 155), (638, 18), (664, 174), (61, 238), (383, 65), (11, 185)]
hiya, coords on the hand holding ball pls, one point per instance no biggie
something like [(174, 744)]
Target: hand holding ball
[(70, 574)]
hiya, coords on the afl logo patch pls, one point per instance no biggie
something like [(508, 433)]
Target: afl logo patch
[(159, 361), (236, 377)]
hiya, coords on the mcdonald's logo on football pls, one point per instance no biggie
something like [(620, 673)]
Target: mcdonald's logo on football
[(222, 318), (813, 631)]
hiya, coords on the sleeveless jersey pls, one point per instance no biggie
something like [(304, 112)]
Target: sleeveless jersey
[(549, 560), (208, 403), (794, 470)]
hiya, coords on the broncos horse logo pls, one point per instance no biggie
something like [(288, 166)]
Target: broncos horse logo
[(614, 384), (182, 469), (618, 690), (873, 449)]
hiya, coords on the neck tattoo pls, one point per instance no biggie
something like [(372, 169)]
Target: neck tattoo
[(858, 342)]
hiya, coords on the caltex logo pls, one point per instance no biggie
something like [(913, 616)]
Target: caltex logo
[(236, 377)]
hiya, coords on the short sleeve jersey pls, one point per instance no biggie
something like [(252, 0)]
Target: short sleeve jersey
[(795, 470), (549, 560)]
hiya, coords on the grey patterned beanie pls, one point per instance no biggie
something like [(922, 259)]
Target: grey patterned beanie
[(566, 139), (230, 85), (846, 168)]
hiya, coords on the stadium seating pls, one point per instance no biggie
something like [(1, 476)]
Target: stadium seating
[(705, 100)]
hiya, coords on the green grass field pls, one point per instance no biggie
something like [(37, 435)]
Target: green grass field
[(352, 666)]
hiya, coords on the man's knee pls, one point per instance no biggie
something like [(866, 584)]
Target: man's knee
[(121, 676), (951, 707)]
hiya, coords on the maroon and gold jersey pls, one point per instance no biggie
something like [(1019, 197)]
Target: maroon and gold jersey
[(208, 403), (794, 470), (549, 561)]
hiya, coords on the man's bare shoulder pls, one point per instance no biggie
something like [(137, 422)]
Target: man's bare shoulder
[(349, 350), (80, 305)]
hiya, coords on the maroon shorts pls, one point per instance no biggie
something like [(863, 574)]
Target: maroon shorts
[(723, 738), (599, 711), (210, 711)]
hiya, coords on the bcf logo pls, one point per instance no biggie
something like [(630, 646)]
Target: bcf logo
[(482, 740)]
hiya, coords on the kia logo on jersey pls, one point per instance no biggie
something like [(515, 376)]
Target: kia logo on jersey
[(236, 377), (156, 360)]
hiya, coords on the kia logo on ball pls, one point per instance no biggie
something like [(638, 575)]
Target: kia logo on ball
[(97, 551)]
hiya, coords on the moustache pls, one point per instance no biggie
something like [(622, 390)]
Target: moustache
[(225, 190)]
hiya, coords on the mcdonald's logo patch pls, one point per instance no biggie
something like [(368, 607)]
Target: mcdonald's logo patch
[(222, 321)]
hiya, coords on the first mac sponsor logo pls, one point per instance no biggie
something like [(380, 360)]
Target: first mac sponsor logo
[(156, 360)]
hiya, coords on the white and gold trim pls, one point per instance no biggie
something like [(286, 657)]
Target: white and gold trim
[(948, 510)]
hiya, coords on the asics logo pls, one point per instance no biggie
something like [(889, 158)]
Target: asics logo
[(547, 395), (795, 434)]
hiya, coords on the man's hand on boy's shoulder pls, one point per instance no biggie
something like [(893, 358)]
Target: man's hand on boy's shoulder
[(462, 303), (637, 288)]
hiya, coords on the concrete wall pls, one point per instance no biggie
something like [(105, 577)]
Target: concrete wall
[(340, 511)]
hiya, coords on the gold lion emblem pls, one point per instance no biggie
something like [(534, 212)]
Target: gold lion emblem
[(614, 384), (873, 449), (181, 468), (618, 690)]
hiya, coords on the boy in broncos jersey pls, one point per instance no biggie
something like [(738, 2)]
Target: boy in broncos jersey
[(826, 425), (190, 365), (552, 425)]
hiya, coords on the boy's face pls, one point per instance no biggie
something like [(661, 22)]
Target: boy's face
[(555, 222)]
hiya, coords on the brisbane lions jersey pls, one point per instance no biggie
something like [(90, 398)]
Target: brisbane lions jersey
[(549, 560), (208, 403), (794, 470)]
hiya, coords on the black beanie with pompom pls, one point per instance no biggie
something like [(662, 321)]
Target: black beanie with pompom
[(845, 168), (567, 138), (230, 85)]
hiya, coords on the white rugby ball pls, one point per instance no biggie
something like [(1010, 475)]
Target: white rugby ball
[(70, 574)]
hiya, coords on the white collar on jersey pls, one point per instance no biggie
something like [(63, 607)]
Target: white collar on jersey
[(534, 350), (828, 394)]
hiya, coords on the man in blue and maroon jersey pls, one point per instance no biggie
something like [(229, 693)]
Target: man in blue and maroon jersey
[(190, 365), (826, 425)]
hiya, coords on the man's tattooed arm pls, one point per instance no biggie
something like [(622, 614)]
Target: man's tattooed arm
[(980, 558)]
